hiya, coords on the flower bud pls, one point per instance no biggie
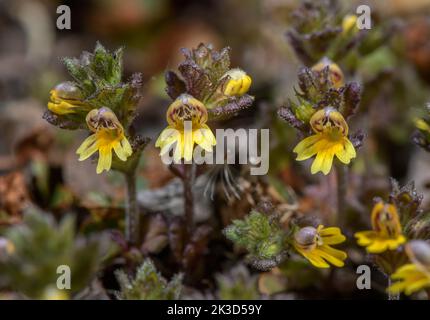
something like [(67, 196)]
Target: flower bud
[(418, 252), (335, 76), (6, 246), (65, 98), (238, 83), (349, 23)]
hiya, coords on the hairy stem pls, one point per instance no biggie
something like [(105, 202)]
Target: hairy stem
[(188, 195), (132, 218)]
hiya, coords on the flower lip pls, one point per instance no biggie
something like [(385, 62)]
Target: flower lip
[(385, 220), (306, 238), (186, 108), (67, 91), (329, 120), (336, 76), (103, 118)]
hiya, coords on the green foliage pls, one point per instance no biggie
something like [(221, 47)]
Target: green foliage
[(148, 284), (40, 247), (238, 284), (261, 235), (94, 71), (98, 76)]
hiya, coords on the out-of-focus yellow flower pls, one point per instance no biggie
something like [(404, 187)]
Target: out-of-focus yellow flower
[(52, 293), (108, 135), (422, 125), (330, 139), (336, 76), (315, 245), (187, 119), (387, 231), (6, 246), (349, 23), (238, 84), (65, 98), (413, 276)]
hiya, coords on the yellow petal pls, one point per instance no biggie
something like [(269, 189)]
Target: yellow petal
[(87, 148), (365, 238), (336, 239), (305, 149), (105, 160), (179, 149), (322, 162), (346, 152), (166, 136), (205, 139), (188, 145), (315, 259), (417, 285), (331, 231), (338, 254), (377, 246), (120, 152), (128, 150)]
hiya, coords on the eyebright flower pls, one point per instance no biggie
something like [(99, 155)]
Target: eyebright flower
[(387, 231), (187, 119), (349, 23), (330, 139), (238, 84), (108, 134), (413, 276), (314, 245), (336, 76), (65, 98), (422, 125), (52, 293)]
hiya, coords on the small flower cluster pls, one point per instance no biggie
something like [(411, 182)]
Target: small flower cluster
[(325, 103), (319, 29), (397, 226), (205, 88), (98, 100), (268, 241)]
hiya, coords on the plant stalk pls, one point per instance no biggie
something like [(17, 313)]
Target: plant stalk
[(342, 187), (392, 296), (132, 218), (188, 195)]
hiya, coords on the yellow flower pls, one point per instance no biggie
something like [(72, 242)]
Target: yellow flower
[(335, 73), (238, 84), (387, 231), (65, 98), (330, 139), (422, 125), (349, 23), (6, 246), (187, 119), (314, 245), (414, 276), (52, 293), (108, 135)]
